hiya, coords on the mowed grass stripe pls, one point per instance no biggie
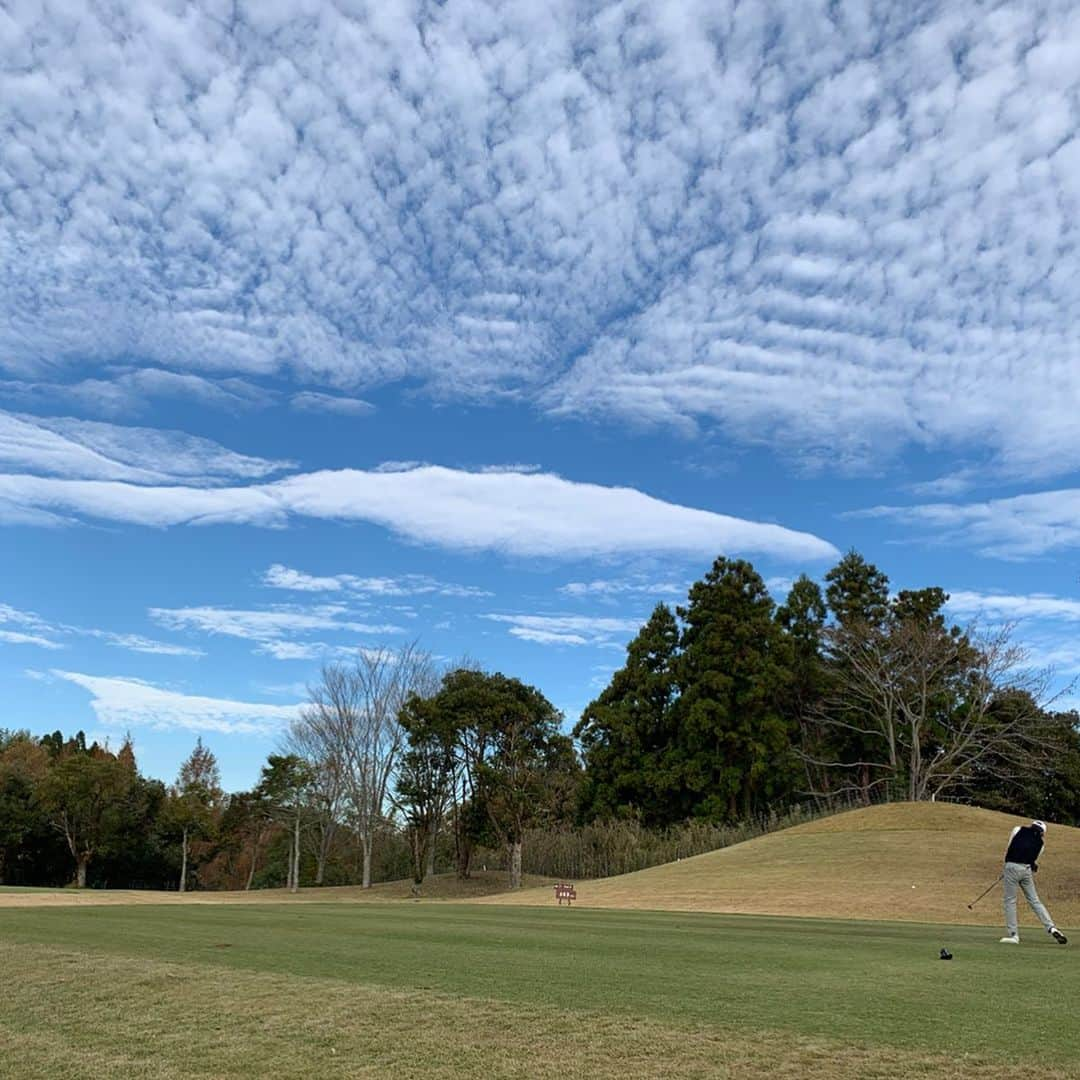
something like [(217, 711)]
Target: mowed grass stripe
[(864, 984), (68, 1014)]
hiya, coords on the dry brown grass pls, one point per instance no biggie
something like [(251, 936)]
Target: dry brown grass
[(67, 1014), (859, 865), (441, 887)]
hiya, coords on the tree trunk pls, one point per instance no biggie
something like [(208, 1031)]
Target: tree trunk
[(254, 859), (417, 843), (515, 864), (365, 879), (183, 863), (80, 871), (464, 859), (296, 854), (429, 870)]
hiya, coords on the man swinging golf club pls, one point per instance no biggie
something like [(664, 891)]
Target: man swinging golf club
[(1021, 862)]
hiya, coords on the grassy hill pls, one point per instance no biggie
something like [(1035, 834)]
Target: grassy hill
[(922, 862)]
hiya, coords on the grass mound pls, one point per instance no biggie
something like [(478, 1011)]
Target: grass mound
[(920, 862)]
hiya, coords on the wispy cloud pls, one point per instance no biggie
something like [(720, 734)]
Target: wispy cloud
[(1019, 527), (514, 513), (19, 637), (30, 619), (124, 702), (966, 602), (123, 392), (310, 401), (569, 629), (138, 643), (308, 650), (86, 449), (34, 630), (611, 588), (267, 626), (284, 577)]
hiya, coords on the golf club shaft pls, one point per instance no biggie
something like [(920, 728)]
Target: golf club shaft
[(985, 891)]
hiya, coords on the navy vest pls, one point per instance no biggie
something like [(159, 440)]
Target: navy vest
[(1025, 845)]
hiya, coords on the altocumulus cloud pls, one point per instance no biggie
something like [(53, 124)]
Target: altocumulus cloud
[(533, 514), (843, 228)]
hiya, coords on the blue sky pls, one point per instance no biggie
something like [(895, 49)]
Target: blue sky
[(325, 326)]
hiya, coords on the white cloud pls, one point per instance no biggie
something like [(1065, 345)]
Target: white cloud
[(265, 626), (138, 643), (969, 603), (1012, 528), (307, 650), (514, 513), (607, 588), (123, 702), (123, 392), (9, 614), (569, 629), (17, 637), (806, 223), (86, 449), (284, 577), (30, 621), (550, 637), (310, 401), (779, 587)]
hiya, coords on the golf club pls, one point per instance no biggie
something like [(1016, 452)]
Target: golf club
[(985, 891)]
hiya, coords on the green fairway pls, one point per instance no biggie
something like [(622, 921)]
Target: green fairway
[(878, 987)]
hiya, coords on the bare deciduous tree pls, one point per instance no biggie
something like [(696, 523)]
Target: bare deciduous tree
[(327, 794), (352, 721), (926, 698)]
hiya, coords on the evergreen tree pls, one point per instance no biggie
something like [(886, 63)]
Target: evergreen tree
[(733, 672), (283, 786), (802, 619), (857, 591), (627, 733)]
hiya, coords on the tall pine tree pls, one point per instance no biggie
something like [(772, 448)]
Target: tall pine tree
[(627, 733), (733, 673)]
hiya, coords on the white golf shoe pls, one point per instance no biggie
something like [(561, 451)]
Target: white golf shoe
[(1011, 939)]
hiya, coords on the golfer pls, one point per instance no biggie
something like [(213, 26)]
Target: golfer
[(1021, 862)]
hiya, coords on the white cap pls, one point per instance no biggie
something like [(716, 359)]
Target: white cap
[(1040, 825)]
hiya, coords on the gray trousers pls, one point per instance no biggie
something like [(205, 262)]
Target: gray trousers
[(1018, 875)]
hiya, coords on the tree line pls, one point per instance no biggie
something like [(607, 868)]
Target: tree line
[(730, 714), (732, 705)]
